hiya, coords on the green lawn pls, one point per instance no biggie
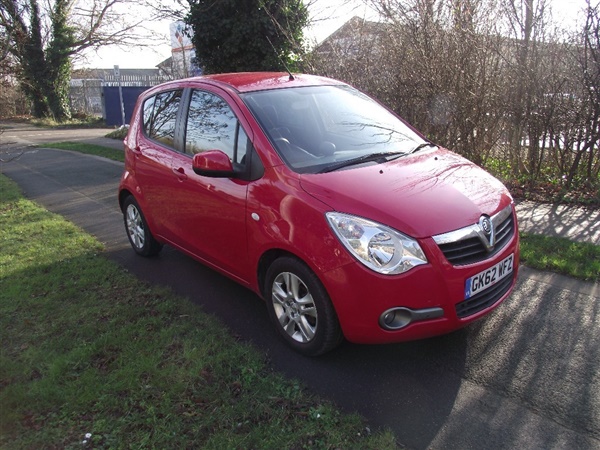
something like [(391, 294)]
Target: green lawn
[(88, 149), (93, 358), (578, 260)]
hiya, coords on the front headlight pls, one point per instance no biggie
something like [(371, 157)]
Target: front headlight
[(378, 247)]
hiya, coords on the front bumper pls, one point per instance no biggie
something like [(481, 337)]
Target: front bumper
[(434, 294)]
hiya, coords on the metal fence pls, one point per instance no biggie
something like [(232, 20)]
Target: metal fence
[(86, 97), (91, 92)]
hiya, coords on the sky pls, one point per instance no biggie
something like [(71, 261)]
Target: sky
[(329, 15)]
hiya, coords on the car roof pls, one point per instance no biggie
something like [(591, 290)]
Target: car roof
[(258, 81)]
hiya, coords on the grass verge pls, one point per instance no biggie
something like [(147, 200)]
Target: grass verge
[(75, 122), (118, 133), (88, 149), (93, 358), (576, 259)]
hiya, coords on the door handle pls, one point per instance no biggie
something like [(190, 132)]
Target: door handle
[(180, 172)]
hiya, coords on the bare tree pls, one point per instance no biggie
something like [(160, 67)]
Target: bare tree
[(434, 62), (525, 21), (590, 71), (42, 38), (496, 80)]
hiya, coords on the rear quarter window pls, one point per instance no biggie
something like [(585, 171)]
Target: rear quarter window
[(160, 116)]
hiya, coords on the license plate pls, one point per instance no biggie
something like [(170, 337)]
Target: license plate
[(488, 277)]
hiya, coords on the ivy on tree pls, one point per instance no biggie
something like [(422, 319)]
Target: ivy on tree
[(44, 70), (39, 39), (247, 35)]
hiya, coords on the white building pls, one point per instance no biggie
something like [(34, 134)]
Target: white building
[(182, 63)]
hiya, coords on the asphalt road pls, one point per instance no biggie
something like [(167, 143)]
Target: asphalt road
[(527, 376)]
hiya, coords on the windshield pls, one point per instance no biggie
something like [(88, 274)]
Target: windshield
[(320, 127)]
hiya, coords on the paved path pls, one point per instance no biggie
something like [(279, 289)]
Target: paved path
[(575, 223), (527, 376), (15, 136)]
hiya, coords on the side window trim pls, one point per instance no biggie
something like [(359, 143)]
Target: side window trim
[(180, 129), (236, 140)]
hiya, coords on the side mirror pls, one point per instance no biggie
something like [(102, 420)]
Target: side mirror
[(213, 163)]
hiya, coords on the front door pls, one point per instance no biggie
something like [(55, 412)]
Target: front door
[(209, 214)]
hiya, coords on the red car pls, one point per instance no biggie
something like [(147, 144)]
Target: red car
[(347, 221)]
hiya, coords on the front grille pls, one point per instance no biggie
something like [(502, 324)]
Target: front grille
[(484, 299), (466, 246), (472, 250)]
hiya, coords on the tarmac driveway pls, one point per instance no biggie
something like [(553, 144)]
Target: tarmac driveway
[(527, 376)]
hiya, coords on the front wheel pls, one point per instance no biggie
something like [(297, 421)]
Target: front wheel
[(300, 308), (139, 234)]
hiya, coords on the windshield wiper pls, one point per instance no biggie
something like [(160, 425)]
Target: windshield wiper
[(381, 157), (423, 145)]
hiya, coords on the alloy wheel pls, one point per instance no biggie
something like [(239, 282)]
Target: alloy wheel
[(294, 307), (135, 227)]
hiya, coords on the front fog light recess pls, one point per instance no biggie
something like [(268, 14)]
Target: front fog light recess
[(377, 246), (396, 318), (400, 317)]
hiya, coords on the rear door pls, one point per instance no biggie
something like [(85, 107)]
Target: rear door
[(155, 148)]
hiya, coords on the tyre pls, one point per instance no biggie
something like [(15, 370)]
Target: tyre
[(139, 234), (300, 308)]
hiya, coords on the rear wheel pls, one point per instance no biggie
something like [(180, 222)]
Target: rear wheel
[(300, 308), (139, 234)]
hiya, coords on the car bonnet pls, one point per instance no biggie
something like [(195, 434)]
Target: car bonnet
[(422, 194)]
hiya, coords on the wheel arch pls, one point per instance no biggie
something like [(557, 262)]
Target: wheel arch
[(327, 332), (123, 194), (265, 262)]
